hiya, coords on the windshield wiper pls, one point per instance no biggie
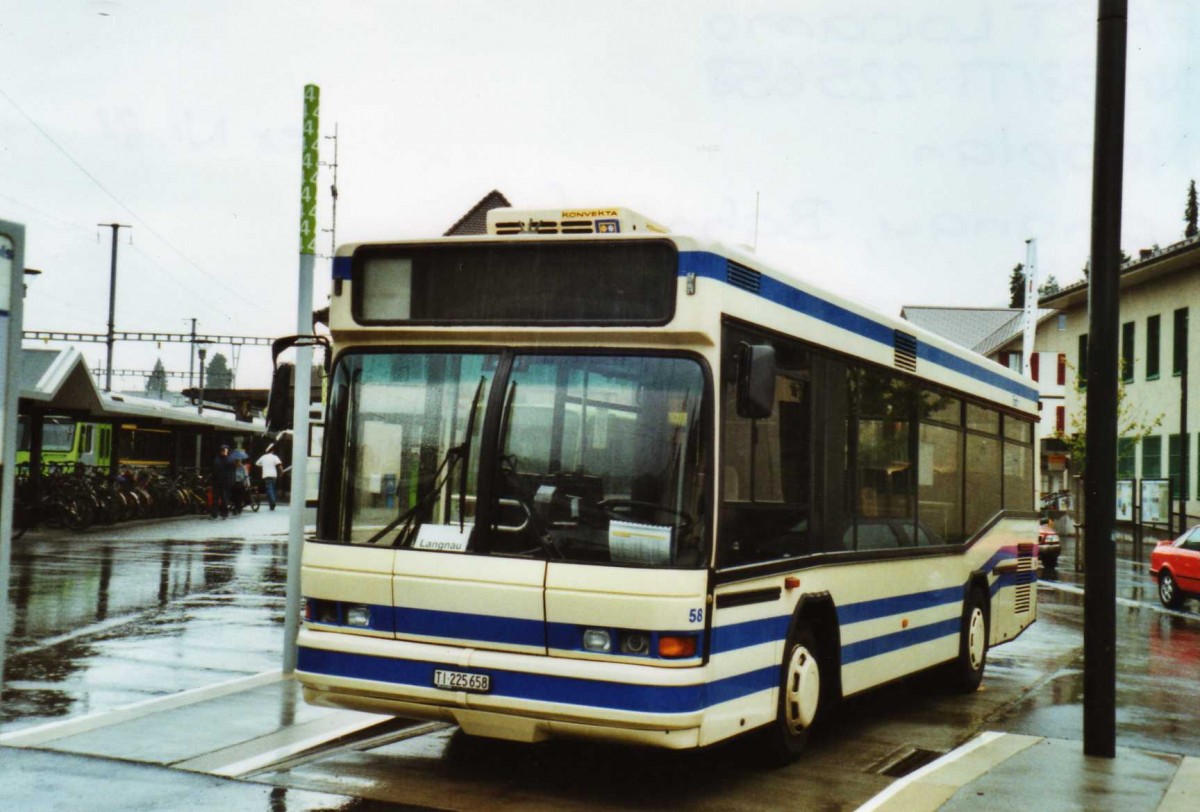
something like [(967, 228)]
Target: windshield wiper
[(447, 465), (455, 455), (466, 457)]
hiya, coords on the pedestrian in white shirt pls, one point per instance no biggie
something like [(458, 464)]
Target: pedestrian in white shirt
[(269, 463)]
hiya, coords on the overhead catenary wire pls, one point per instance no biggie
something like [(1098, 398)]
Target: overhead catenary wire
[(141, 221)]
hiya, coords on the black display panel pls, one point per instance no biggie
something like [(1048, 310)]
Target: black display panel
[(529, 283)]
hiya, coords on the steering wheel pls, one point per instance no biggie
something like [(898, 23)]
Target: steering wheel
[(622, 508)]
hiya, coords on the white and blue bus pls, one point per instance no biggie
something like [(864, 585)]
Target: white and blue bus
[(586, 478)]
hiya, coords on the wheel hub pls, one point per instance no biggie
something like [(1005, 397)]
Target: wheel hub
[(976, 639), (803, 690)]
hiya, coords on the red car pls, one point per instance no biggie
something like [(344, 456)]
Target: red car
[(1049, 545), (1176, 565)]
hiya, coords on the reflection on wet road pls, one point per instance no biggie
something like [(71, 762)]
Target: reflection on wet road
[(105, 621), (1158, 663), (102, 620)]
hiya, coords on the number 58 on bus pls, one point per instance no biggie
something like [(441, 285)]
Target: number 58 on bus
[(583, 477)]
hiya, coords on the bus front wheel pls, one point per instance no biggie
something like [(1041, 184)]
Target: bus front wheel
[(800, 699)]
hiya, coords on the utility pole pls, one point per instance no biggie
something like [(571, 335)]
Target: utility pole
[(192, 357), (1100, 488), (333, 191), (1184, 483), (112, 302)]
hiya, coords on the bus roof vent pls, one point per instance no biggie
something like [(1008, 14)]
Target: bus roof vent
[(742, 277), (906, 351), (570, 221)]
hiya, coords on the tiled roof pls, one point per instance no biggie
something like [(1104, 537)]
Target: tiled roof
[(475, 220), (965, 326), (982, 329)]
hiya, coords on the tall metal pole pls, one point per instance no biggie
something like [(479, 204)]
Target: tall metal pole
[(333, 193), (112, 304), (200, 400), (1184, 479), (1100, 598), (192, 357), (303, 381)]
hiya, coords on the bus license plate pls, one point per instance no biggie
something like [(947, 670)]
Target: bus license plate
[(462, 681)]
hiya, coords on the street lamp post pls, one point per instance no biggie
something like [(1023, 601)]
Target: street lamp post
[(201, 351), (200, 401)]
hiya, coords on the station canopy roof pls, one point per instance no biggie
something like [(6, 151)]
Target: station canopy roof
[(58, 381)]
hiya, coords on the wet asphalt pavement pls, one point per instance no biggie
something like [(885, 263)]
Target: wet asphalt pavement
[(113, 617), (119, 615)]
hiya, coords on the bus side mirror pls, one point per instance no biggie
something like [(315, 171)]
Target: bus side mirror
[(755, 381), (279, 403)]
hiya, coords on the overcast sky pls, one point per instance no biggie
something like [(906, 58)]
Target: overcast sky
[(901, 152)]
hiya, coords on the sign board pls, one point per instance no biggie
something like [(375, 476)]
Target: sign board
[(8, 253), (12, 286), (12, 290), (1156, 501), (1124, 500)]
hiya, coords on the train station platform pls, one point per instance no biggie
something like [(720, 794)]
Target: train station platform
[(181, 751), (1006, 771), (202, 749)]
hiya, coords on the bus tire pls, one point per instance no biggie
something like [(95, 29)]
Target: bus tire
[(965, 672), (801, 698)]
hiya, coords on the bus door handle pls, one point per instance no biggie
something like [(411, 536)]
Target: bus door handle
[(520, 528)]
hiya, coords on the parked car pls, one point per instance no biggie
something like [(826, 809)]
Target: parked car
[(1175, 564), (1049, 545)]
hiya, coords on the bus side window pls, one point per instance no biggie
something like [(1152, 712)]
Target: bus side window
[(767, 466)]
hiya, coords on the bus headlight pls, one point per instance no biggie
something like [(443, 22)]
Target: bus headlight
[(326, 612), (635, 643), (597, 640), (358, 616)]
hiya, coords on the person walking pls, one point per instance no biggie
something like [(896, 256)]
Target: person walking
[(269, 463), (222, 483)]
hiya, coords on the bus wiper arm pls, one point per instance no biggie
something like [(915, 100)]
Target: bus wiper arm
[(447, 465), (465, 458)]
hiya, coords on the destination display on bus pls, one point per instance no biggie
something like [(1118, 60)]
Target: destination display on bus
[(606, 283)]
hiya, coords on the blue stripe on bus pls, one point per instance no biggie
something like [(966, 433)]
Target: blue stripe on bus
[(713, 266), (749, 633), (466, 626), (342, 267), (535, 687), (888, 643), (898, 605)]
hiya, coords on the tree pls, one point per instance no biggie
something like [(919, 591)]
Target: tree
[(1050, 286), (1130, 424), (1016, 286), (218, 375), (1190, 212), (156, 381)]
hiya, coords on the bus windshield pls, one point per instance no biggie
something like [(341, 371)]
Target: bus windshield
[(583, 458)]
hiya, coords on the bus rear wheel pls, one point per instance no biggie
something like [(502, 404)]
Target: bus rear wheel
[(800, 703), (965, 672)]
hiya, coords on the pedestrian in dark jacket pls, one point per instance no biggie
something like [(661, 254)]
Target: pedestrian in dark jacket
[(221, 481)]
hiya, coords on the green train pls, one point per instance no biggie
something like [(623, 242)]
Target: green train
[(66, 441)]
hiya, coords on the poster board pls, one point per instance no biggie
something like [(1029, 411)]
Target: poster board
[(1125, 492), (1156, 501)]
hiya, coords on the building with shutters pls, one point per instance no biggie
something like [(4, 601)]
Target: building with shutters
[(1159, 352)]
